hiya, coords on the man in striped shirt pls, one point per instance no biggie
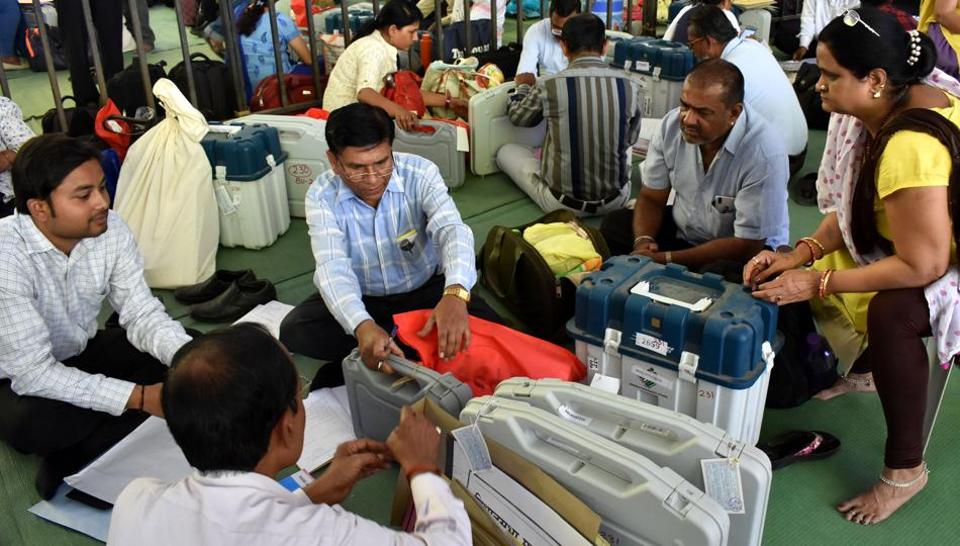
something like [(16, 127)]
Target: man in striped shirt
[(593, 116), (387, 238)]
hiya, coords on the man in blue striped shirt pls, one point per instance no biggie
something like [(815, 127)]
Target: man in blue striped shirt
[(387, 238), (593, 116)]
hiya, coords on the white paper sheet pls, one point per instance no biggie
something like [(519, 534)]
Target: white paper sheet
[(269, 314), (149, 451), (74, 515), (328, 425)]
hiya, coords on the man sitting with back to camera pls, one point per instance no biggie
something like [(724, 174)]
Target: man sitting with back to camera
[(68, 391), (232, 403), (728, 168), (593, 117), (387, 238)]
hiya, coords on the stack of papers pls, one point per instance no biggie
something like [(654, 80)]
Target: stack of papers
[(269, 314)]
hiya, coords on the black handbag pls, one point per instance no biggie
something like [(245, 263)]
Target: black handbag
[(81, 119)]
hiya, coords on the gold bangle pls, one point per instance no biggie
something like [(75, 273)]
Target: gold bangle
[(813, 252), (813, 241), (668, 257)]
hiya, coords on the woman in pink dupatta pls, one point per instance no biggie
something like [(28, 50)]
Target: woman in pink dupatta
[(873, 71)]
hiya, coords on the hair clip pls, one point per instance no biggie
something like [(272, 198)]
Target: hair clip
[(914, 57)]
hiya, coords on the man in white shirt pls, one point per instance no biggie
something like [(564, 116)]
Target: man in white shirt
[(68, 392), (814, 18), (232, 402), (767, 88), (541, 54)]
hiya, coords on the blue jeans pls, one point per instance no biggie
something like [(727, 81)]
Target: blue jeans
[(11, 28)]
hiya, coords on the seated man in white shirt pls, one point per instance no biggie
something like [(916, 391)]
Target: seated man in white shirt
[(541, 54), (68, 391), (814, 17), (232, 402), (729, 171), (766, 87)]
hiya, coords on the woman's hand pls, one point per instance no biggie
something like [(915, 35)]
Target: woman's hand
[(790, 287), (406, 119), (768, 265)]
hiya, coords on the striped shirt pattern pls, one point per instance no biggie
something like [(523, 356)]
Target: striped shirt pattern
[(358, 248), (49, 304), (593, 118)]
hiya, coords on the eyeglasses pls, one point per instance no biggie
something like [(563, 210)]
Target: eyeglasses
[(356, 175), (851, 18)]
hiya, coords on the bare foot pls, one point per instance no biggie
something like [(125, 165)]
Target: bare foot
[(852, 382), (883, 499)]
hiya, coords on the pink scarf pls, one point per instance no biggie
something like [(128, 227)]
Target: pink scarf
[(836, 179)]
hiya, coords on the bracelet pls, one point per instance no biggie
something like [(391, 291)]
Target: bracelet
[(420, 469), (640, 238), (824, 281), (141, 398), (811, 242), (668, 257), (813, 251)]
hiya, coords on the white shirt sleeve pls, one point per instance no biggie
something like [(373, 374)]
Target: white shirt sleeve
[(808, 23), (530, 54)]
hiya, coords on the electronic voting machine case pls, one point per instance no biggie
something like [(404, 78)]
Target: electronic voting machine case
[(490, 128), (639, 502), (679, 340), (376, 398), (666, 437), (438, 143)]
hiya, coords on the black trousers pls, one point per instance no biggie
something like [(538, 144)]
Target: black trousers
[(70, 436), (108, 21), (617, 230), (311, 330), (6, 209)]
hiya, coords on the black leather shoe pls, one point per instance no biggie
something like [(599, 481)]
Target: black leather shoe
[(214, 286), (235, 302)]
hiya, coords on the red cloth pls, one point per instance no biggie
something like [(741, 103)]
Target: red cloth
[(118, 141), (405, 91), (496, 353), (316, 113)]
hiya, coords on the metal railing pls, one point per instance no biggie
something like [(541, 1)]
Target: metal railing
[(233, 55)]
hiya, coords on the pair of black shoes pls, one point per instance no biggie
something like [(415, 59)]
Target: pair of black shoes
[(226, 296)]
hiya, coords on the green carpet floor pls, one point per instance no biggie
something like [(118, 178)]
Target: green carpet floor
[(801, 505)]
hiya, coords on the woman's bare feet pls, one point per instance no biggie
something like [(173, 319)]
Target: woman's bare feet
[(886, 496), (852, 382)]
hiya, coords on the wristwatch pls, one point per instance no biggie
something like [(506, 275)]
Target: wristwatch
[(457, 291)]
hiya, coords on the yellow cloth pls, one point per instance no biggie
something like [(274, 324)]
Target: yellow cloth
[(842, 318), (362, 65), (914, 160), (928, 15), (564, 246)]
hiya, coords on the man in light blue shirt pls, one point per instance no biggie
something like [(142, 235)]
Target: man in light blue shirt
[(728, 168), (387, 238), (541, 54)]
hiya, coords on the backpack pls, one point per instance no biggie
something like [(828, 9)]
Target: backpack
[(34, 43), (216, 97), (805, 85), (300, 88), (81, 119), (125, 88), (517, 275), (804, 365), (455, 41)]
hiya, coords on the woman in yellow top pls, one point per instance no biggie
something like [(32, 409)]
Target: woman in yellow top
[(940, 19), (899, 226), (359, 73)]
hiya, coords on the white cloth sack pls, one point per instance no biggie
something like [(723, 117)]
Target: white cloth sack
[(165, 194)]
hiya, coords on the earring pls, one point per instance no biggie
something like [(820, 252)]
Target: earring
[(878, 92)]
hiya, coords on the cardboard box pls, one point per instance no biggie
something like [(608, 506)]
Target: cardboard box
[(517, 500)]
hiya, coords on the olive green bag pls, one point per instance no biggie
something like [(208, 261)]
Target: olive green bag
[(517, 275)]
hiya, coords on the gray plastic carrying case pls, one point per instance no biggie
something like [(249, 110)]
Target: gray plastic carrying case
[(666, 437), (639, 502), (376, 397)]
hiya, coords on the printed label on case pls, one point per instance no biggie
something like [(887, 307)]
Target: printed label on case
[(651, 343), (722, 482), (570, 415), (650, 378)]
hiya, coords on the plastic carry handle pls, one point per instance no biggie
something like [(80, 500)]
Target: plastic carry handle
[(643, 289), (421, 375), (551, 433)]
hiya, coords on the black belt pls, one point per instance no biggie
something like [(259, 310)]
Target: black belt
[(588, 207)]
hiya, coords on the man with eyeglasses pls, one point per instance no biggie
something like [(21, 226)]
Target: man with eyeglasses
[(387, 238), (766, 87)]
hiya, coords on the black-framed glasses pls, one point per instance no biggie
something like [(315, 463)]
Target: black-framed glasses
[(356, 175), (852, 17)]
